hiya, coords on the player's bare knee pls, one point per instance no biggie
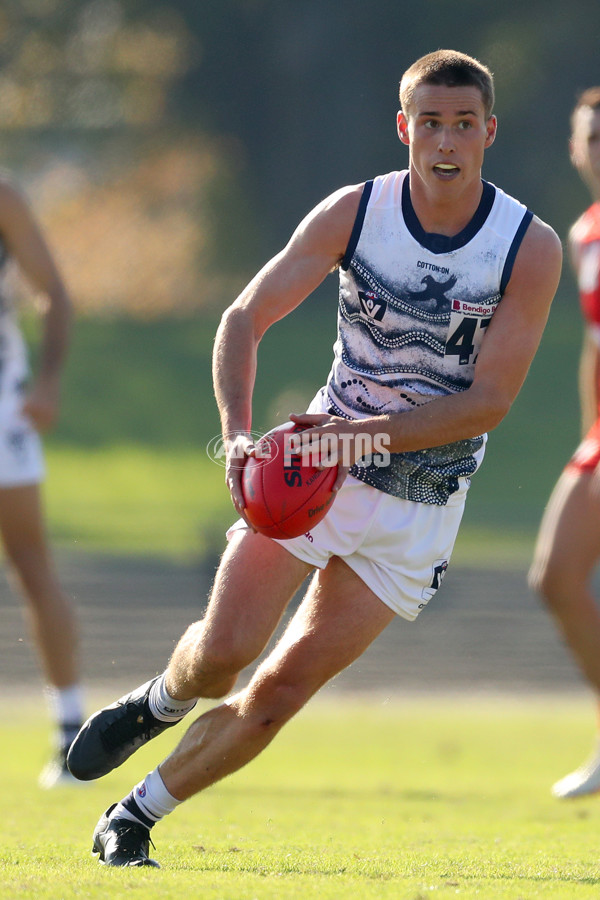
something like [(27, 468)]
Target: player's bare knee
[(23, 560), (540, 581), (534, 579), (552, 584)]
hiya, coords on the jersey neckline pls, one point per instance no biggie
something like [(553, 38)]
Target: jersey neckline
[(442, 243)]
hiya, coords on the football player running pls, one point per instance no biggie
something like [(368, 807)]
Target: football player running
[(445, 287)]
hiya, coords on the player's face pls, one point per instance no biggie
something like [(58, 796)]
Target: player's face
[(585, 146), (447, 132)]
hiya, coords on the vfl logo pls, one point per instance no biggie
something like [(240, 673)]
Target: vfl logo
[(439, 570), (433, 290), (371, 305)]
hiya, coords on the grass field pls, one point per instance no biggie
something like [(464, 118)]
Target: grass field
[(357, 799), (137, 500)]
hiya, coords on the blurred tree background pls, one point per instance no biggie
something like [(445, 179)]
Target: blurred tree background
[(170, 148)]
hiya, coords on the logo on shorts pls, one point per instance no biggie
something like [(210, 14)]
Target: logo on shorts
[(438, 572)]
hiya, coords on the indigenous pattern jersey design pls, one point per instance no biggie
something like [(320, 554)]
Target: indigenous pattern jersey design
[(413, 312), (585, 246)]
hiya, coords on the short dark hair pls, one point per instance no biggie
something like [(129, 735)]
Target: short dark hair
[(590, 98), (451, 68)]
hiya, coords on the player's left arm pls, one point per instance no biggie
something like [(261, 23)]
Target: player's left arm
[(516, 329), (27, 244), (507, 351)]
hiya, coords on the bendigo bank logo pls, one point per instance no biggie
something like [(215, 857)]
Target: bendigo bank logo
[(372, 306)]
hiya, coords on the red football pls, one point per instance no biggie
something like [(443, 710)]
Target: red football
[(284, 495)]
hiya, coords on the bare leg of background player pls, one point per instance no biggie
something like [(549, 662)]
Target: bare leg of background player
[(566, 555)]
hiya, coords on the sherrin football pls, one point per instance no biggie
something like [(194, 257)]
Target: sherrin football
[(285, 496)]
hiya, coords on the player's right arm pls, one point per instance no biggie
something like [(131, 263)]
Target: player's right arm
[(315, 249)]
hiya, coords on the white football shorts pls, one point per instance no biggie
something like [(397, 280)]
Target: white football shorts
[(21, 455), (400, 549)]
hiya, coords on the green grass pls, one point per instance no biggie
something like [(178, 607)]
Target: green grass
[(355, 799), (137, 500)]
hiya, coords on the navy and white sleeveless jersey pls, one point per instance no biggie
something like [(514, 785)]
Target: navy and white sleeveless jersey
[(413, 311)]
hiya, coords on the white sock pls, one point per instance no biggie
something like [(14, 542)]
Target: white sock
[(66, 704), (148, 802), (164, 707)]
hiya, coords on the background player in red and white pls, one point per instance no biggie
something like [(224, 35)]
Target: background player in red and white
[(568, 547), (445, 284), (28, 407)]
